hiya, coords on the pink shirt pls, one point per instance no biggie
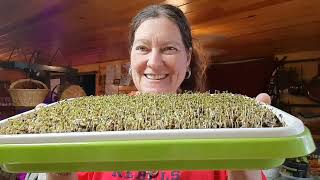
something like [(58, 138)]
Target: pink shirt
[(161, 175)]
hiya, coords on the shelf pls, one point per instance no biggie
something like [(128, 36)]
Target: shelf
[(303, 105), (6, 107), (126, 89), (293, 100)]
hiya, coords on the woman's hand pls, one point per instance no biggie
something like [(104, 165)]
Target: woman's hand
[(62, 176), (263, 97), (244, 175), (40, 106)]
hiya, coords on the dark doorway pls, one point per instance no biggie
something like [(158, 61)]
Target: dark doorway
[(88, 83)]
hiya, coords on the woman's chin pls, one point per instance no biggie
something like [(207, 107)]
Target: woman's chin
[(157, 90)]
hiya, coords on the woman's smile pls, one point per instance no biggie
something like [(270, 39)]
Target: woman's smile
[(156, 77)]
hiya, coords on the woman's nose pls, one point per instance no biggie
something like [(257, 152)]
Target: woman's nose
[(155, 59)]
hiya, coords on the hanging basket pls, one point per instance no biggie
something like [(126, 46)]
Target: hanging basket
[(28, 92)]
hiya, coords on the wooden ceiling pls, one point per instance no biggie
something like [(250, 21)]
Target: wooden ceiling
[(89, 31)]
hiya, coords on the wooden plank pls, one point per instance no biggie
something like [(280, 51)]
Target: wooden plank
[(98, 29), (264, 19), (18, 10), (243, 51), (296, 32), (227, 11)]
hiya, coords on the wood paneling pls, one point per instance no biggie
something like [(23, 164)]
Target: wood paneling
[(93, 31)]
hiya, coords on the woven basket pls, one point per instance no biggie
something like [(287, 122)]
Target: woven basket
[(27, 97)]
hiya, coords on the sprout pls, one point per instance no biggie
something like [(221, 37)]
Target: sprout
[(146, 112)]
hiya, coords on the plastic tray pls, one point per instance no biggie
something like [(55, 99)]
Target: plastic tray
[(243, 148)]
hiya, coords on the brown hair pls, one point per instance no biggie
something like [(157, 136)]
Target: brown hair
[(199, 60)]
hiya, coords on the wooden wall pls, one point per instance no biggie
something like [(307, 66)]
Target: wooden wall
[(11, 75)]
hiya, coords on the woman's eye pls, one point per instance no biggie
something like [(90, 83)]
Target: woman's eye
[(141, 48), (169, 49)]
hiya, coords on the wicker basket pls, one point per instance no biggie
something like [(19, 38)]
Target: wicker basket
[(28, 97)]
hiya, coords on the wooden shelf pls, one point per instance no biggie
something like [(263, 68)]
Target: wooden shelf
[(297, 100), (6, 107), (126, 89)]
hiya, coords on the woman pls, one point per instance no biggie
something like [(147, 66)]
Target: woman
[(164, 60)]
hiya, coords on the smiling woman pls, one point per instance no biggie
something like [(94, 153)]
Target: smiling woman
[(163, 57), (164, 60), (159, 59)]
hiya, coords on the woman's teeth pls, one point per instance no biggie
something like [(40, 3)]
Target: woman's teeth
[(156, 76)]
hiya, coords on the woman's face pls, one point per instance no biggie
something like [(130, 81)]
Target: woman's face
[(159, 59)]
